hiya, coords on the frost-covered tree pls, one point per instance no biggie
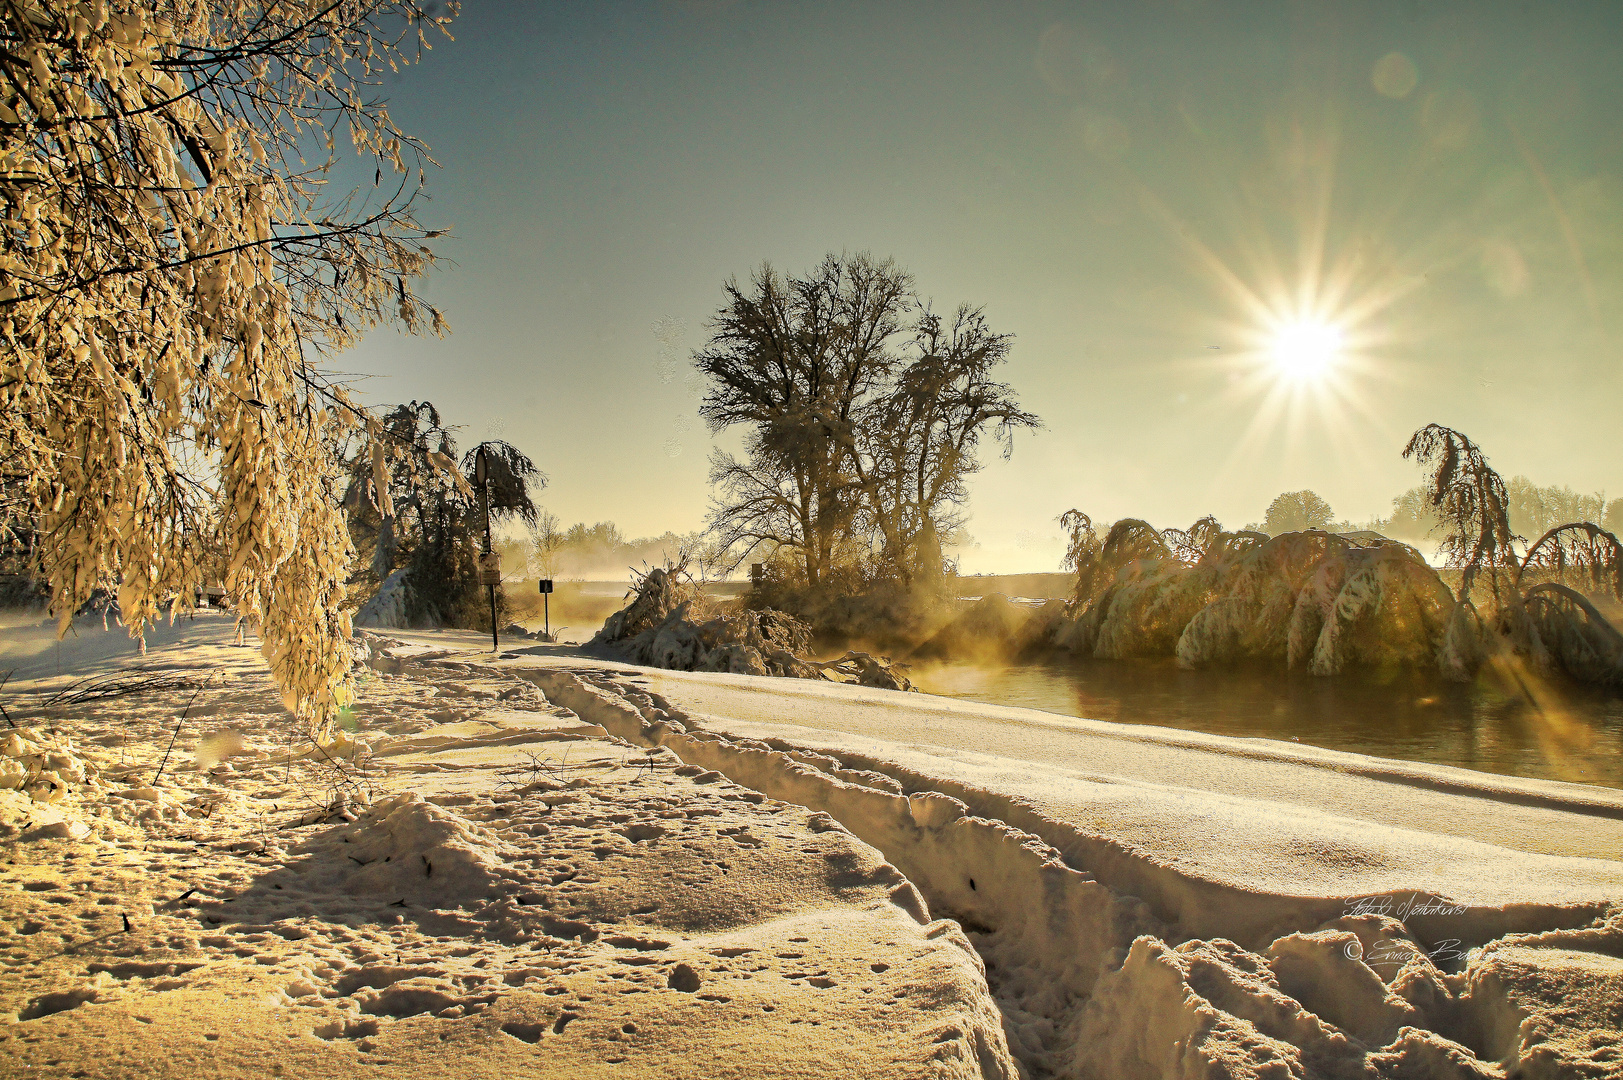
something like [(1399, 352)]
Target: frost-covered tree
[(1470, 499), (426, 517), (795, 360), (180, 246), (920, 442), (864, 412), (1083, 546), (1328, 603)]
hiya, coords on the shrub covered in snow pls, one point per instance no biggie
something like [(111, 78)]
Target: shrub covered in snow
[(1329, 601), (670, 624)]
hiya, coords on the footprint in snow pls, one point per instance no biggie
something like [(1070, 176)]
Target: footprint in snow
[(644, 831)]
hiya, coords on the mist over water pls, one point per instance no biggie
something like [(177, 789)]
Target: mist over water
[(1573, 733)]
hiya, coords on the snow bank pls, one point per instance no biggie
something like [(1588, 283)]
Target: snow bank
[(1095, 982), (407, 847)]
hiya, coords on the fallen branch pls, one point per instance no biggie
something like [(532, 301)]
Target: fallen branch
[(865, 669), (127, 681), (175, 736)]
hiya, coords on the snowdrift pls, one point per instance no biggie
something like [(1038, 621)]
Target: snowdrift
[(1097, 982), (539, 900)]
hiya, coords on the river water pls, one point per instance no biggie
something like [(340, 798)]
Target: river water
[(1507, 724)]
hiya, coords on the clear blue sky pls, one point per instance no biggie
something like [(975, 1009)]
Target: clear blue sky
[(1121, 185)]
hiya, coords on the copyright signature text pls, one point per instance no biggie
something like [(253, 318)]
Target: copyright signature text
[(1402, 909)]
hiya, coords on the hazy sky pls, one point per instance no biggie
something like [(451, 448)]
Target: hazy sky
[(1122, 185)]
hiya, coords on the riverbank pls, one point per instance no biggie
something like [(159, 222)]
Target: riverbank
[(1536, 728), (1174, 904)]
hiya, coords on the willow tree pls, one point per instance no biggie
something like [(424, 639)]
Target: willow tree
[(1469, 498), (177, 257)]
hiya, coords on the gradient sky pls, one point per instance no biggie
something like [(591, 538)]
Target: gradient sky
[(1122, 185)]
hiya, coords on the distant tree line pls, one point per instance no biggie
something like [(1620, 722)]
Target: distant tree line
[(1532, 511), (600, 551)]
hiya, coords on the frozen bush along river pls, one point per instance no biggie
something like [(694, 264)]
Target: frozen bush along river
[(1572, 733)]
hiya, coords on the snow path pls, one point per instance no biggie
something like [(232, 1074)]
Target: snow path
[(1543, 817), (1251, 814)]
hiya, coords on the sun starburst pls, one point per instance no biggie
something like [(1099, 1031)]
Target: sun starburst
[(1306, 350)]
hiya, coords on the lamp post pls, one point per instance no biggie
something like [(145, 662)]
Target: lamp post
[(489, 574)]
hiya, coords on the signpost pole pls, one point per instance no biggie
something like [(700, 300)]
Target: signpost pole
[(482, 477), (546, 614)]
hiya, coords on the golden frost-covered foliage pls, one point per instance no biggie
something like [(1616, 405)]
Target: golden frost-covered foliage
[(1310, 599), (1560, 623), (172, 267), (1326, 602)]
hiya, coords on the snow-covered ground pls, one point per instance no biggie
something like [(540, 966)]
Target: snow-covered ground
[(491, 886), (1145, 903), (1160, 903)]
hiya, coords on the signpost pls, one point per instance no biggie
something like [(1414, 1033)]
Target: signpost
[(490, 563), (546, 606)]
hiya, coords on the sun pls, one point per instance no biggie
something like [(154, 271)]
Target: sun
[(1306, 350)]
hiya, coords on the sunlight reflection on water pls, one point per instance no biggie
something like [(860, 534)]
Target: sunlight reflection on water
[(1573, 734)]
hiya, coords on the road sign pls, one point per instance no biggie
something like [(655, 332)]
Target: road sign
[(546, 606), (490, 568)]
